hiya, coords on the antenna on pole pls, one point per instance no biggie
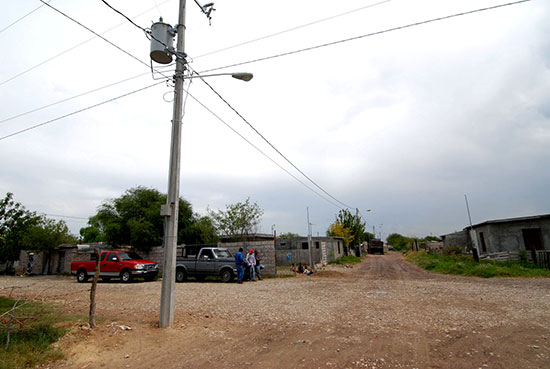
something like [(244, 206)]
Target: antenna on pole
[(207, 9)]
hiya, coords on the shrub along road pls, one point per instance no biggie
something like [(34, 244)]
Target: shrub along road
[(383, 313)]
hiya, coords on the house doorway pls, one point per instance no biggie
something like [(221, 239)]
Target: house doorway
[(532, 240)]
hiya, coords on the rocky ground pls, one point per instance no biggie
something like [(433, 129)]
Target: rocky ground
[(383, 313)]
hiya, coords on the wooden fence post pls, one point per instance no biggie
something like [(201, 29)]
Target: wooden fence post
[(92, 290)]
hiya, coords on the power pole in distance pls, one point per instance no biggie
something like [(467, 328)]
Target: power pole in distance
[(309, 243)]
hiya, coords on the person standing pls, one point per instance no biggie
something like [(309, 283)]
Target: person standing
[(239, 261), (251, 261), (258, 264)]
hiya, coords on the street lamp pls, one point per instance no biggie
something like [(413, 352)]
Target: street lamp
[(244, 76)]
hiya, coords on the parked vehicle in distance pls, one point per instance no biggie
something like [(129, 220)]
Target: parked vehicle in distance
[(375, 247), (122, 264), (206, 261)]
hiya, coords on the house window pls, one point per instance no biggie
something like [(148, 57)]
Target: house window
[(482, 240), (316, 244), (339, 247), (304, 245), (282, 244)]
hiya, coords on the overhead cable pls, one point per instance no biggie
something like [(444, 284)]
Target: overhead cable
[(292, 29), (72, 97), (259, 150), (71, 48), (21, 18), (270, 144), (97, 34), (81, 110), (366, 35)]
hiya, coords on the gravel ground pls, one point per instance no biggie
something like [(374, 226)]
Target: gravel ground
[(384, 313)]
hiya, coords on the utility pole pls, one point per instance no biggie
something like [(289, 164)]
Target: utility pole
[(473, 239), (310, 249), (171, 209)]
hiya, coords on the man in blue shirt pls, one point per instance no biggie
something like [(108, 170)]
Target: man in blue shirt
[(239, 261)]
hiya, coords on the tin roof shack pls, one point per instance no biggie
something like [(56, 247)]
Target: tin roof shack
[(514, 235), (294, 250)]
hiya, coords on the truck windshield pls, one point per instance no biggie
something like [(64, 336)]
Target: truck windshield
[(222, 253), (129, 256)]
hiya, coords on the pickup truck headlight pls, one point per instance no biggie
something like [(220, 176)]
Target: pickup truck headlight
[(138, 266)]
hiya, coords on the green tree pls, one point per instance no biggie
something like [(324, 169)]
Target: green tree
[(47, 234), (239, 220), (15, 221), (337, 229), (289, 235), (354, 224), (398, 241), (134, 219)]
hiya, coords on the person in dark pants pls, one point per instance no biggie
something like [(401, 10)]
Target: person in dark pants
[(239, 261), (257, 267)]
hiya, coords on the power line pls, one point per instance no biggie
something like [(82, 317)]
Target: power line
[(292, 29), (127, 18), (367, 35), (23, 17), (270, 144), (65, 216), (147, 33), (97, 34), (80, 110), (71, 48), (259, 150), (72, 97)]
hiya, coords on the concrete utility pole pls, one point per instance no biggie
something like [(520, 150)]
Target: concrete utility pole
[(309, 243), (170, 210)]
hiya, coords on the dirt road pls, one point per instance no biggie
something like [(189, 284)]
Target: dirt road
[(384, 313)]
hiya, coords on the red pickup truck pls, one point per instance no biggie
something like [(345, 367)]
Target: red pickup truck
[(125, 265)]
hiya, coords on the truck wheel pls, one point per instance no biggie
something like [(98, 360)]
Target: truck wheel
[(181, 276), (227, 275), (126, 276), (81, 276)]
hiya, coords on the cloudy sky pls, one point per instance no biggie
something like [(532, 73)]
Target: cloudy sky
[(402, 123)]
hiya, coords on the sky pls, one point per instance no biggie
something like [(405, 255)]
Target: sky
[(399, 125)]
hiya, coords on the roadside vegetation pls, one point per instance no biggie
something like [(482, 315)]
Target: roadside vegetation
[(31, 329), (461, 264), (349, 259)]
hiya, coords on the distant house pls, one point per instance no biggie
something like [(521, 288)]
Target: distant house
[(294, 250), (510, 235)]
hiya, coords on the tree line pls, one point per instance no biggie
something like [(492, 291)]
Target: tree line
[(22, 229), (132, 219), (400, 242)]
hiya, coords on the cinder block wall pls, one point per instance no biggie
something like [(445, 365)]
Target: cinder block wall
[(265, 248), (156, 254)]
